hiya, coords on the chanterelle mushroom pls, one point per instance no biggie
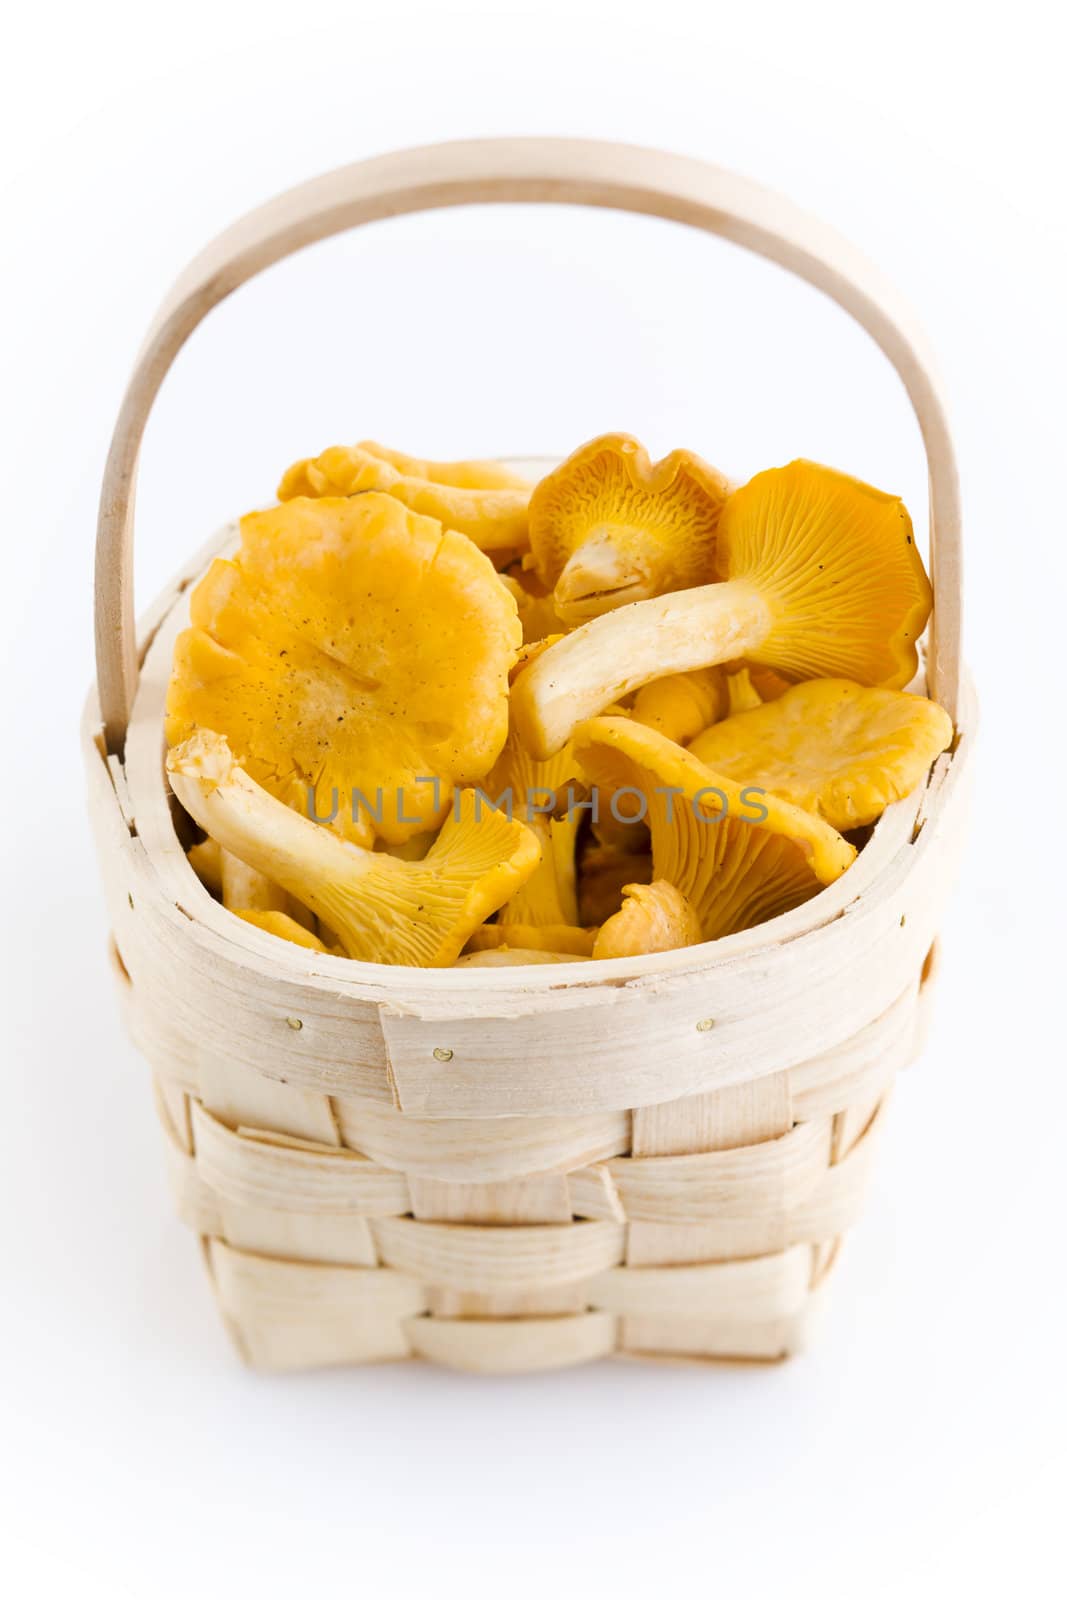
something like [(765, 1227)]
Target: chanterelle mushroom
[(608, 526), (684, 703), (831, 746), (381, 909), (356, 657), (494, 517), (822, 578), (654, 916), (456, 474), (738, 856)]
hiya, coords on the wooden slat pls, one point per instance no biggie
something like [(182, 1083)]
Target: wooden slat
[(486, 1259), (533, 1344), (290, 1314)]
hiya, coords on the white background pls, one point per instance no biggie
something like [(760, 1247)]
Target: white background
[(919, 1449)]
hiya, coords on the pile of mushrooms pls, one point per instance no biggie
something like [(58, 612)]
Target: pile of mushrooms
[(430, 713)]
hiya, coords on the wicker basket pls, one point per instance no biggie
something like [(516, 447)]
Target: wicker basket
[(511, 1169)]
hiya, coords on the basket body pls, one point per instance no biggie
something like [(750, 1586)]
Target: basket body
[(516, 1168), (508, 1176)]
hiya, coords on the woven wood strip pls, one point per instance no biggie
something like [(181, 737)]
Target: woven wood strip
[(287, 1314), (754, 1181), (483, 1149), (593, 1194), (514, 1345), (563, 1299), (541, 1199), (255, 1172), (756, 1290), (298, 1236), (242, 1097), (691, 1340), (455, 1256)]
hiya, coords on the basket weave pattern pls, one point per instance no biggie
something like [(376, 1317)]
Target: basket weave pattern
[(528, 1167), (338, 1230)]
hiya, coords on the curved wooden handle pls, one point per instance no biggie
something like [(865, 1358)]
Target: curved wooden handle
[(570, 171)]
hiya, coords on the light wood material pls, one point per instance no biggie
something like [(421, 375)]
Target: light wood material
[(653, 1156), (553, 171)]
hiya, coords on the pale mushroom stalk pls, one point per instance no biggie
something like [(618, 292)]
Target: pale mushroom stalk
[(608, 658), (382, 909), (821, 578), (599, 577)]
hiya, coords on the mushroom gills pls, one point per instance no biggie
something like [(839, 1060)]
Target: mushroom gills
[(738, 857)]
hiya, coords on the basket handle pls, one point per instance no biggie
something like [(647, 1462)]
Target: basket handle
[(570, 171)]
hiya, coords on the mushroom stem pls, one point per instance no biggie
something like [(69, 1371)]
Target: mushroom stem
[(382, 909), (599, 577), (618, 652)]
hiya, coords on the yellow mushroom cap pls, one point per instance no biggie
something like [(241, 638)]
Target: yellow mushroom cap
[(738, 856), (418, 913), (283, 927), (608, 526), (836, 564), (495, 518), (654, 916), (840, 750), (350, 646)]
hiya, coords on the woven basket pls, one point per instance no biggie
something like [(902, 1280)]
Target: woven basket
[(513, 1169)]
